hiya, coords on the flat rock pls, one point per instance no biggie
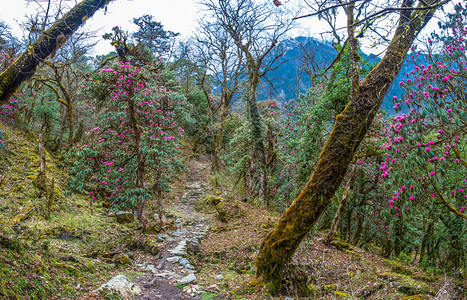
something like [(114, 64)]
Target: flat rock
[(219, 277), (119, 286), (165, 274), (124, 217), (179, 250), (162, 237), (187, 279), (174, 259), (184, 262), (180, 232)]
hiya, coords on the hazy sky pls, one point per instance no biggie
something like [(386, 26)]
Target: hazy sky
[(176, 15)]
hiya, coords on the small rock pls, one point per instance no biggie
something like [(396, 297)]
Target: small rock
[(219, 277), (179, 250), (187, 279), (184, 262), (119, 286), (288, 298), (212, 289), (174, 259), (194, 247), (151, 268), (162, 237), (180, 232), (165, 274), (192, 289), (124, 217)]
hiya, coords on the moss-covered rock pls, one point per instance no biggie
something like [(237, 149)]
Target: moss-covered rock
[(405, 284), (25, 213), (68, 268), (416, 297), (340, 294), (221, 212), (397, 267), (148, 244), (341, 245), (124, 217)]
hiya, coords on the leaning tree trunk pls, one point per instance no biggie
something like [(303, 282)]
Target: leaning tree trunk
[(349, 130), (48, 43)]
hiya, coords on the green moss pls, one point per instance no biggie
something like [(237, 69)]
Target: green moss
[(8, 242), (121, 259), (341, 294), (405, 284), (68, 268), (398, 267), (416, 297), (329, 287), (341, 245)]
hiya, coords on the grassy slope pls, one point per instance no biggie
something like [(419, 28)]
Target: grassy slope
[(56, 258)]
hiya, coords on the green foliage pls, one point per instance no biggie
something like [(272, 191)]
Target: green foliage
[(47, 112), (153, 36), (136, 130)]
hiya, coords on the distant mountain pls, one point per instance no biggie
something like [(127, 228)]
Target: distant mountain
[(288, 78)]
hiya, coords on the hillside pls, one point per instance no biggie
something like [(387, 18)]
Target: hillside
[(321, 53), (80, 247)]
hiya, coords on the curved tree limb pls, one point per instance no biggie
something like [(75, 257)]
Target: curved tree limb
[(47, 44)]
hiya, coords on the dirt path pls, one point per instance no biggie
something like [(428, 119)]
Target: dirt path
[(173, 267)]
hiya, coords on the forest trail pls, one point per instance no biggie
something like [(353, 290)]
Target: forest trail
[(172, 267)]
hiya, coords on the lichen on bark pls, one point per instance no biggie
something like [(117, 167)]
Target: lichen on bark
[(47, 44)]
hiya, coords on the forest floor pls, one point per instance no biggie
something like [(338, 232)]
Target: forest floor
[(66, 248)]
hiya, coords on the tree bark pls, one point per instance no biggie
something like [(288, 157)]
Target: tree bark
[(47, 44), (219, 139), (349, 130), (141, 169), (398, 238), (338, 216), (259, 151)]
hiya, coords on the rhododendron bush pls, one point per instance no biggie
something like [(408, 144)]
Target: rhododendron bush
[(136, 137), (427, 140)]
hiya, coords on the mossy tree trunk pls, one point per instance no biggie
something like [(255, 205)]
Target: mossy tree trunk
[(338, 216), (141, 163), (219, 139), (259, 154), (47, 44), (349, 130), (399, 236)]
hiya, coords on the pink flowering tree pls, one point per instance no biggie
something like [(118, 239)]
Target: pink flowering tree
[(425, 166), (128, 158), (428, 140)]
